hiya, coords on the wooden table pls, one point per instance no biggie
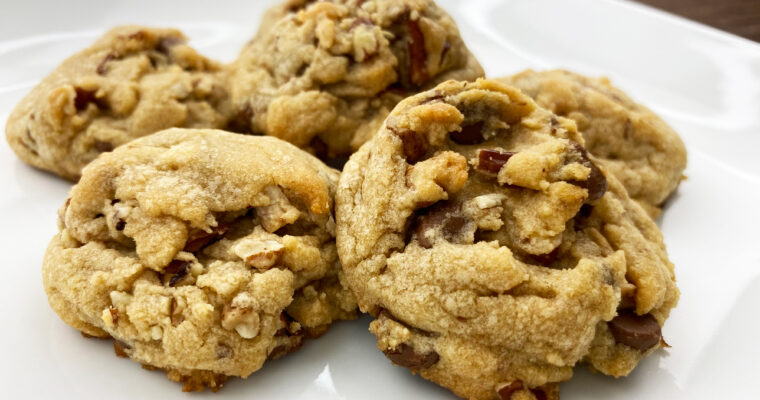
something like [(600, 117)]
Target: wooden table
[(740, 17)]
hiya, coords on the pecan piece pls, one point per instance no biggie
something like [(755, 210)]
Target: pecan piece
[(200, 239), (492, 160), (405, 356), (418, 73)]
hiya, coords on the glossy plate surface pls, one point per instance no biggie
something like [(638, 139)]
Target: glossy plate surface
[(705, 83)]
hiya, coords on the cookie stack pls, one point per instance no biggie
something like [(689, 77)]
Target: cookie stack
[(498, 231)]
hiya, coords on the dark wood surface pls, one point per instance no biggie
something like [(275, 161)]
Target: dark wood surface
[(740, 17)]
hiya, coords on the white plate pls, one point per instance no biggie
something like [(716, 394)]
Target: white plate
[(704, 82)]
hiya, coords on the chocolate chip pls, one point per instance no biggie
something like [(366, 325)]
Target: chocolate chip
[(200, 239), (405, 356), (596, 183), (414, 144), (115, 201), (120, 224), (101, 68), (103, 146), (641, 332), (180, 274), (418, 74), (83, 98), (586, 210), (446, 217), (176, 266), (470, 134), (492, 160), (506, 391)]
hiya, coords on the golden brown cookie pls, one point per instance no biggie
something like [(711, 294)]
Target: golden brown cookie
[(131, 82), (493, 251), (326, 75), (203, 253), (634, 144)]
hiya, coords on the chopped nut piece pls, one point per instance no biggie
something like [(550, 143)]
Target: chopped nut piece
[(258, 253), (279, 212), (200, 239), (405, 356), (486, 211), (241, 316)]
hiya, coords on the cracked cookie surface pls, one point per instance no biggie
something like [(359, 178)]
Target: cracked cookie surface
[(201, 252), (645, 154), (493, 251), (131, 82), (326, 75)]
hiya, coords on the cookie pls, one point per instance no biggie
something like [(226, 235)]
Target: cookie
[(633, 143), (494, 252), (326, 75), (203, 253), (131, 82)]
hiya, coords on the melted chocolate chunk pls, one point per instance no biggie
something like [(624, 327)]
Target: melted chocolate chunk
[(120, 225), (405, 356), (445, 216), (596, 183), (175, 266), (83, 98), (414, 145), (491, 161), (470, 134), (180, 274), (642, 332)]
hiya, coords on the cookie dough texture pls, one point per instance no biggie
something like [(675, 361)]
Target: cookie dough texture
[(131, 82), (493, 251), (634, 144), (325, 76), (201, 252)]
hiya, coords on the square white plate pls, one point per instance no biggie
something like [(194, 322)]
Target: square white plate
[(705, 83)]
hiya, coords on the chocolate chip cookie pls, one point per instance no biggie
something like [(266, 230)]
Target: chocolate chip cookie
[(201, 252), (634, 144), (326, 75), (131, 82), (494, 251)]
